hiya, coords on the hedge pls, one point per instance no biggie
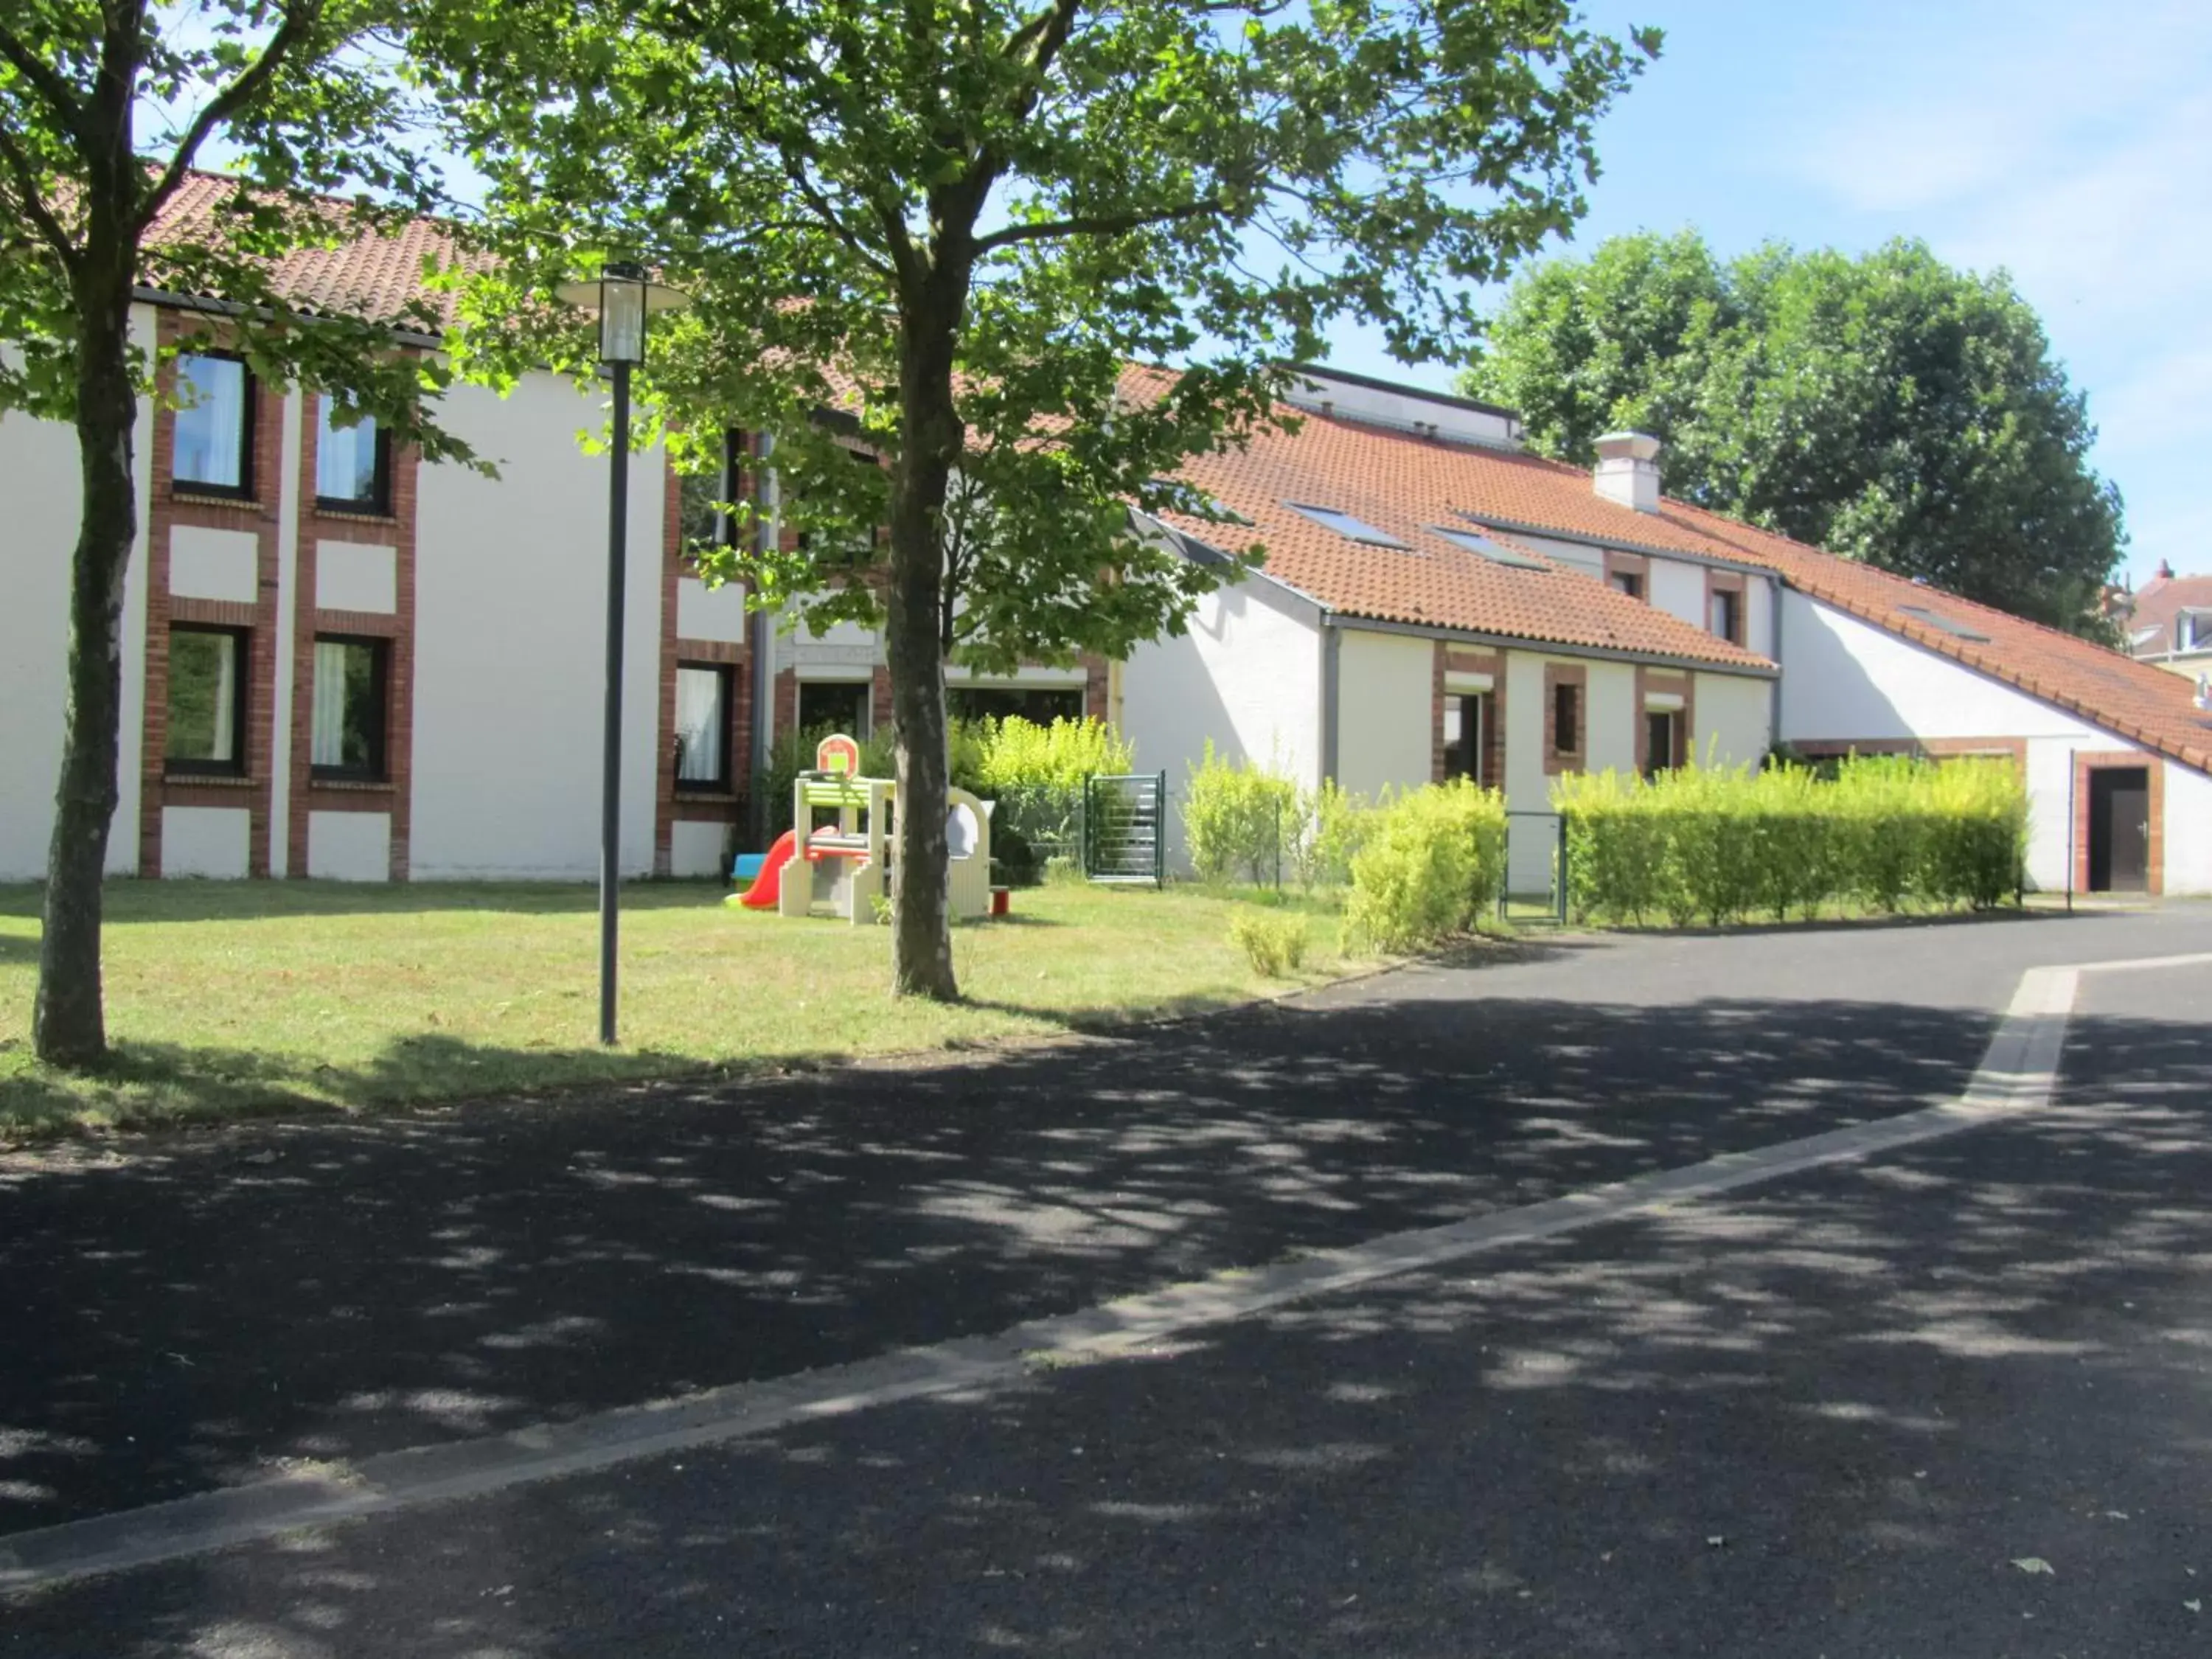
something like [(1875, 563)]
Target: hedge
[(1432, 867), (1718, 845)]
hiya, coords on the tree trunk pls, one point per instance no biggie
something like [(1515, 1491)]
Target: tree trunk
[(68, 1027), (931, 434)]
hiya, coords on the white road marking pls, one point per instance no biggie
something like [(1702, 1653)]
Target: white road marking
[(2018, 1074)]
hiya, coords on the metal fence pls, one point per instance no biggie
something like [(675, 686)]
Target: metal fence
[(1125, 821), (1535, 885)]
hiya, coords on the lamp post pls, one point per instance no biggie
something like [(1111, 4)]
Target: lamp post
[(622, 298)]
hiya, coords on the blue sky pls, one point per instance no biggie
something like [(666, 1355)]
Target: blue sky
[(2069, 143)]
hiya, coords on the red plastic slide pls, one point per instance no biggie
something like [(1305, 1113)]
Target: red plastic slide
[(761, 895)]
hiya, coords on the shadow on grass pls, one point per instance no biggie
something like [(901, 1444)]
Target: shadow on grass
[(128, 900)]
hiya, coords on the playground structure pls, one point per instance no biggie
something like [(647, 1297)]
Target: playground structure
[(846, 862)]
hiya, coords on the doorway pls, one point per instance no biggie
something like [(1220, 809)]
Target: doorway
[(1661, 741), (2120, 830)]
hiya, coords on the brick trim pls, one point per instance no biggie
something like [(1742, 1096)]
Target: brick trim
[(169, 508), (1727, 581), (1629, 564), (1653, 682), (1457, 659), (394, 793), (2085, 764), (672, 806), (1557, 760)]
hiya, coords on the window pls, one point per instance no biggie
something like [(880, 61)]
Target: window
[(1728, 614), (1040, 705), (353, 463), (1473, 541), (207, 701), (1345, 525), (702, 523), (347, 739), (214, 420), (703, 727), (1466, 730), (1630, 582), (1566, 719), (1956, 630), (835, 706), (1660, 726)]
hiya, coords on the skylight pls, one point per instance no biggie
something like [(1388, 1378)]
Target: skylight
[(1956, 630), (1497, 552), (1345, 525), (1176, 496)]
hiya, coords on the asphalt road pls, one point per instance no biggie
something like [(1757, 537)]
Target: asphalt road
[(1879, 1389)]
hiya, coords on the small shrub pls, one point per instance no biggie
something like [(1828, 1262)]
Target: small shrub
[(1333, 825), (1431, 869), (1237, 819), (1275, 945)]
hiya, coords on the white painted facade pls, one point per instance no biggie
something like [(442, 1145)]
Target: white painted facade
[(1386, 686), (510, 641), (1847, 681)]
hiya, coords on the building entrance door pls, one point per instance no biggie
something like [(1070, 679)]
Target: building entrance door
[(2120, 830)]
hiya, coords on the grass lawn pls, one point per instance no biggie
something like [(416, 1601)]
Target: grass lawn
[(225, 997)]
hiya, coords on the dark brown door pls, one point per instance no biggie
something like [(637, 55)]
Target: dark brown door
[(2120, 830)]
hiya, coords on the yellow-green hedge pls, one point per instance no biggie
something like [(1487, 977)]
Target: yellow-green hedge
[(1430, 866), (1718, 845)]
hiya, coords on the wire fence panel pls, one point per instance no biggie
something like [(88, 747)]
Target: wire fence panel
[(1125, 821), (1535, 887)]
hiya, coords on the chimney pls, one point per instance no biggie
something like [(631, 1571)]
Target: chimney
[(1628, 470)]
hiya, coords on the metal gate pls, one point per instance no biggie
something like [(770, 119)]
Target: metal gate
[(1535, 885), (1125, 818)]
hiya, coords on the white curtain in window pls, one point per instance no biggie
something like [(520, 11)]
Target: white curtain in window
[(211, 429), (699, 725), (223, 746), (345, 457), (327, 738)]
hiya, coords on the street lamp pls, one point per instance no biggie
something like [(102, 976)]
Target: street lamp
[(622, 298)]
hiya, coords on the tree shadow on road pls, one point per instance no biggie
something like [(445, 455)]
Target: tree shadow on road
[(1790, 1421)]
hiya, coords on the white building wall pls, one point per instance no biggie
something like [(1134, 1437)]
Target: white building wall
[(38, 474), (1758, 593), (509, 636), (1678, 587), (206, 841), (349, 846), (2188, 831), (1610, 722), (1386, 719), (1733, 722), (1247, 673), (1845, 681), (1531, 842), (696, 849)]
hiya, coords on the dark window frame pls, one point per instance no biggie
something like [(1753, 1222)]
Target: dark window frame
[(1630, 582), (380, 770), (863, 691), (1566, 718), (241, 642), (1654, 762), (250, 421), (378, 503), (724, 781), (1473, 745), (1731, 600)]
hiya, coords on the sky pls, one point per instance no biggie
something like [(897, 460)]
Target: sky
[(2071, 144)]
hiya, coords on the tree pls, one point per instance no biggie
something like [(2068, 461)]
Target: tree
[(297, 100), (1887, 407), (959, 222)]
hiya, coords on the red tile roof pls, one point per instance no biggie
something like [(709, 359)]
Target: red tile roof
[(1403, 484), (2157, 602), (376, 276), (1406, 486)]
